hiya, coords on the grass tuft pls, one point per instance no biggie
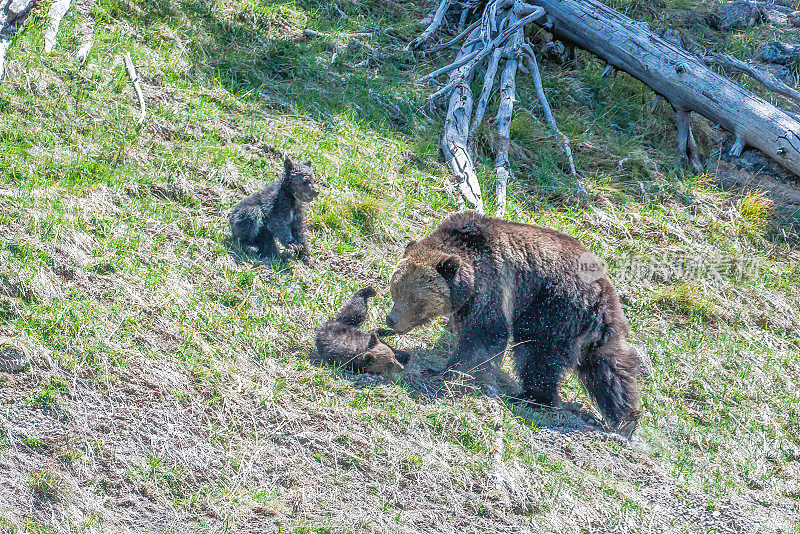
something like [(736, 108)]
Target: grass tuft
[(48, 484), (756, 210)]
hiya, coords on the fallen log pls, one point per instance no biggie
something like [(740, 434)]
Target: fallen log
[(680, 77)]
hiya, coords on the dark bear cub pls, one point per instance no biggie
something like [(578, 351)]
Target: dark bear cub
[(339, 340), (541, 290), (276, 212)]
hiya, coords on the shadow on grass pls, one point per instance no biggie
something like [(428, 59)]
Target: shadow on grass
[(753, 171), (258, 49), (282, 262), (426, 381)]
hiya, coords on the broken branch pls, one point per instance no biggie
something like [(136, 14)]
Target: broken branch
[(136, 85), (548, 113), (57, 12), (435, 23), (765, 78)]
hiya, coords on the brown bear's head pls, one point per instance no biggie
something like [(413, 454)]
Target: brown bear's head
[(427, 284), (379, 357), (302, 181)]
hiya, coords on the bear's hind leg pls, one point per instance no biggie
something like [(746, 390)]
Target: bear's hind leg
[(540, 367), (266, 246)]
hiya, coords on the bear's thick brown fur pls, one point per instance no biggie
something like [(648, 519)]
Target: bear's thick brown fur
[(340, 342), (541, 289)]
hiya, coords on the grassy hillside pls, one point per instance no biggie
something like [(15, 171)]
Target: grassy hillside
[(169, 388)]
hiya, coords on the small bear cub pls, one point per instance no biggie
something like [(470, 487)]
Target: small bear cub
[(276, 212), (339, 340)]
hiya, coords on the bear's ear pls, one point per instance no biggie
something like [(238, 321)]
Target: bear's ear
[(373, 339), (448, 267), (367, 291), (401, 356), (288, 165), (410, 244), (460, 280)]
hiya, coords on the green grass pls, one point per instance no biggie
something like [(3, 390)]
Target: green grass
[(47, 484), (167, 376)]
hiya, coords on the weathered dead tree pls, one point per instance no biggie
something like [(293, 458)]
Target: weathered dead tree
[(677, 75), (13, 16), (456, 130), (497, 36)]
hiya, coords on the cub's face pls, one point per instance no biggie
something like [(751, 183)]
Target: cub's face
[(380, 360), (303, 181), (420, 294)]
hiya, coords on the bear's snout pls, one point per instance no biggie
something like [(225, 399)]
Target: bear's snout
[(398, 320)]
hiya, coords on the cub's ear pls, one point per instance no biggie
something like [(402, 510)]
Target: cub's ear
[(367, 291), (307, 163), (401, 356), (288, 164), (373, 339), (410, 244), (448, 267)]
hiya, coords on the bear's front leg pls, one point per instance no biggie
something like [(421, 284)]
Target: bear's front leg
[(297, 228), (266, 245), (480, 348)]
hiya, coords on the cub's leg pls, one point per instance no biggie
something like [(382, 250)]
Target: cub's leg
[(297, 228), (266, 244)]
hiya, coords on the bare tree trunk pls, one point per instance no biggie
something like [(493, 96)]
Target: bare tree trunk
[(679, 76), (499, 34), (456, 127)]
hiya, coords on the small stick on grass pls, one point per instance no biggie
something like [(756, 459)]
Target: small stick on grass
[(87, 29), (135, 80)]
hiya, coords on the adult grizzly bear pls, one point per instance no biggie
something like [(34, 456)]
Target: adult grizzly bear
[(541, 288)]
